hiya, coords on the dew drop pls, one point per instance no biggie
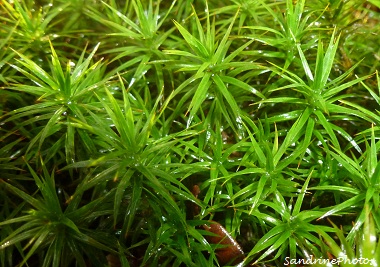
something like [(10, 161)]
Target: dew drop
[(133, 80), (6, 244)]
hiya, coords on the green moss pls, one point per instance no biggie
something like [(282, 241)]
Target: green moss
[(111, 111)]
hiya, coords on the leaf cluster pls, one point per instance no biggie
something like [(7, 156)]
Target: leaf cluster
[(110, 112)]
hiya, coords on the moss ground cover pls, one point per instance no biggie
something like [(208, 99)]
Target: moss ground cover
[(111, 111)]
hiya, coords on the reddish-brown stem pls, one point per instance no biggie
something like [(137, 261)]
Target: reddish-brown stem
[(230, 252)]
